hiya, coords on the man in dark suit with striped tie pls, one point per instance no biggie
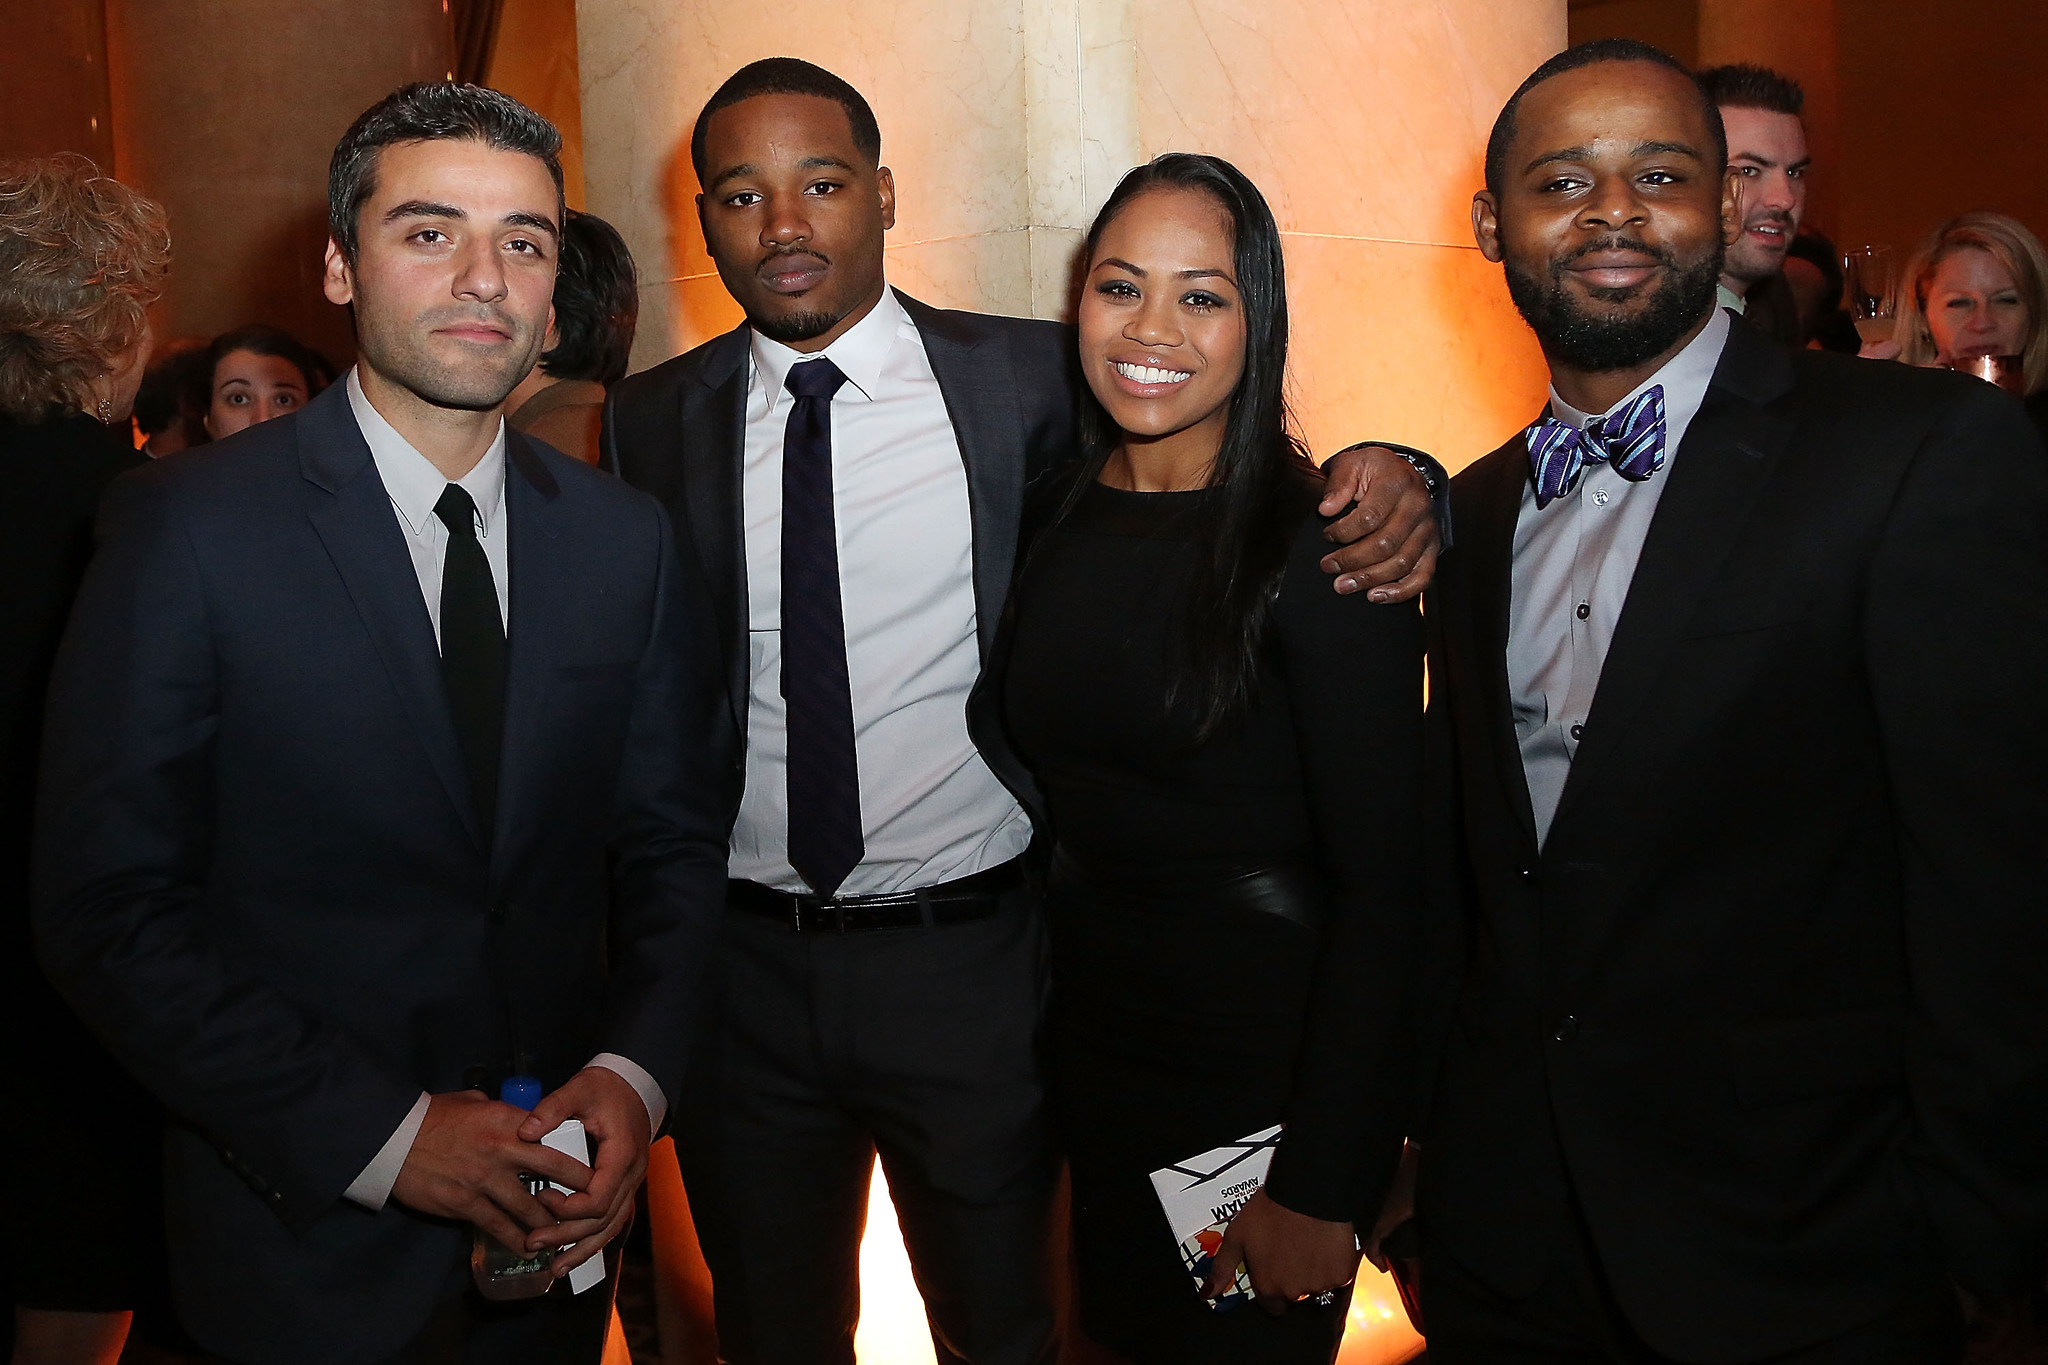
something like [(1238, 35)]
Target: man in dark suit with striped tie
[(386, 760), (851, 464)]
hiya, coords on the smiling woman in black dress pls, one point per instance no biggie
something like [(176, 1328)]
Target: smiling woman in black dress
[(1230, 932)]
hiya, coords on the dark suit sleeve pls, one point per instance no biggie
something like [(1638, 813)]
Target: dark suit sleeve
[(1354, 684), (675, 810), (123, 852), (1956, 625)]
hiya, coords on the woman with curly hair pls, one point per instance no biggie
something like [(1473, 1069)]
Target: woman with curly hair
[(81, 259)]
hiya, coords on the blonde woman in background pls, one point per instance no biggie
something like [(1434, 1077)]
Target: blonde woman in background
[(1978, 285), (81, 259)]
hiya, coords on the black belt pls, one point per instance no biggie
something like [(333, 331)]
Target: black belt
[(955, 902), (1292, 891)]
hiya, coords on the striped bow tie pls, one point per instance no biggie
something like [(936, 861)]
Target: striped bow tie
[(1632, 440)]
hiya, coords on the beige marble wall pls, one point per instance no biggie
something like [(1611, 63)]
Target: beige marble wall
[(1008, 121)]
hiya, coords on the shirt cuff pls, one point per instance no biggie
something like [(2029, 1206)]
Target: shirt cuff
[(642, 1083), (372, 1188)]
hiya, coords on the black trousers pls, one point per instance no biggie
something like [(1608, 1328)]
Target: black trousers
[(558, 1328), (1573, 1319), (919, 1045)]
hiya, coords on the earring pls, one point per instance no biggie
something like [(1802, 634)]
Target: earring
[(105, 412)]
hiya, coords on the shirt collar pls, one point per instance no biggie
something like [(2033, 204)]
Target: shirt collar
[(411, 480), (860, 352), (1685, 378)]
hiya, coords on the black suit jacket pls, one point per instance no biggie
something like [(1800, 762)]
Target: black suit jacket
[(54, 473), (1011, 385), (261, 876), (1768, 1000)]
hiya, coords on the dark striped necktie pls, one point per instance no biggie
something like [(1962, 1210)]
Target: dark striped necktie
[(825, 841)]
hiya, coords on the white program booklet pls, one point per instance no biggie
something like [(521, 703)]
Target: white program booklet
[(570, 1140), (1202, 1194)]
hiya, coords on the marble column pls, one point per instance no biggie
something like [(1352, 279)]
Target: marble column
[(1008, 121)]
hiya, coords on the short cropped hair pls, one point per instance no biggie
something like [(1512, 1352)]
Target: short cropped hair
[(789, 76), (597, 303), (1742, 86), (82, 257), (430, 111), (1590, 54)]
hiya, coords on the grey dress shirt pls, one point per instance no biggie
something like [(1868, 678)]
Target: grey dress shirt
[(1573, 564)]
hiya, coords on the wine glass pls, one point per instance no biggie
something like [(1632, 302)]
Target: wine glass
[(1872, 285)]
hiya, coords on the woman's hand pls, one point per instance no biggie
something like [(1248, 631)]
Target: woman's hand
[(1880, 350), (1290, 1255), (1400, 1205)]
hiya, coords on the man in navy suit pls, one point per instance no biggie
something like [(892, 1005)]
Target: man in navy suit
[(385, 760)]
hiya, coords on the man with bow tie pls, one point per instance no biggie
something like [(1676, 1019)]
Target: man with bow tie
[(1739, 1042)]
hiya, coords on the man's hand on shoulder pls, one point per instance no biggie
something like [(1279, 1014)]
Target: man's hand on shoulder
[(1389, 539), (615, 1120), (466, 1163)]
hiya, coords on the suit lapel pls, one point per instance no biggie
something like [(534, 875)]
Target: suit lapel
[(539, 596), (713, 418), (1729, 455), (1487, 534), (360, 531), (974, 371)]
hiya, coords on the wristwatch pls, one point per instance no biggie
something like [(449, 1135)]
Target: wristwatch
[(1435, 481)]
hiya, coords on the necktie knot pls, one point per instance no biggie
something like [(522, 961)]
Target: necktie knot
[(818, 378), (457, 511), (1630, 439)]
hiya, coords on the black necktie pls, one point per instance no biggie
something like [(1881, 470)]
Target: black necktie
[(472, 651), (825, 840)]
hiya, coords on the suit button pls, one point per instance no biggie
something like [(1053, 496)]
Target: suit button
[(498, 911), (1567, 1029), (1527, 874)]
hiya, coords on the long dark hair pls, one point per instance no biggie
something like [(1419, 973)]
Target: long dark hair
[(1242, 533)]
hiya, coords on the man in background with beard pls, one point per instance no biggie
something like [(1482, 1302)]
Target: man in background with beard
[(1739, 1042)]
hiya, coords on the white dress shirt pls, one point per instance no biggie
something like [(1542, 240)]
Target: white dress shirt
[(1574, 561), (414, 486), (931, 810)]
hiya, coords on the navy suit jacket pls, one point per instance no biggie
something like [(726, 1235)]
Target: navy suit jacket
[(261, 877)]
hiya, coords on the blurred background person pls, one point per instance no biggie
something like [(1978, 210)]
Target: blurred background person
[(1761, 109), (1978, 285), (597, 304), (1813, 271), (170, 407), (81, 259), (255, 373)]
